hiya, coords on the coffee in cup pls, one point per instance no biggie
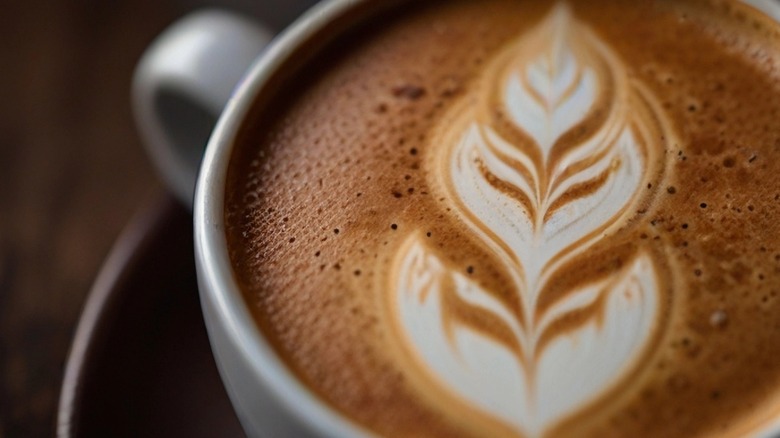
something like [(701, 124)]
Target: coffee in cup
[(503, 218)]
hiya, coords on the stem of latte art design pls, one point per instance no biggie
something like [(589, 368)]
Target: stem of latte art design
[(537, 182)]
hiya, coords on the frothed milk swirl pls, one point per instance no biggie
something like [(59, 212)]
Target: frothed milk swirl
[(526, 219), (549, 158)]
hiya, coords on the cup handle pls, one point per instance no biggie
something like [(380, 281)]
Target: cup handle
[(183, 82)]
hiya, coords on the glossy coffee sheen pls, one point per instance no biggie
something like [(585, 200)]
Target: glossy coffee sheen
[(509, 218)]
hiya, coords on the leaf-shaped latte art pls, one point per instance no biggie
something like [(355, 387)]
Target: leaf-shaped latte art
[(550, 160)]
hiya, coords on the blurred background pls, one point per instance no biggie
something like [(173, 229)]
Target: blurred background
[(72, 173)]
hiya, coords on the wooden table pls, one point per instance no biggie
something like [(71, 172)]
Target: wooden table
[(72, 173)]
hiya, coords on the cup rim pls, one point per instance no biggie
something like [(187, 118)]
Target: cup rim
[(211, 252)]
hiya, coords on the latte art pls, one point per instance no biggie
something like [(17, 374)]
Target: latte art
[(550, 159)]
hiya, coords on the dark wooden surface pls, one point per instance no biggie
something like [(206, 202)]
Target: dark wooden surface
[(72, 173)]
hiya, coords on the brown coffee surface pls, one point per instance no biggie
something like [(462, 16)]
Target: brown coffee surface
[(328, 180)]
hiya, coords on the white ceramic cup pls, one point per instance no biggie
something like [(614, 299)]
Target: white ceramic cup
[(205, 67)]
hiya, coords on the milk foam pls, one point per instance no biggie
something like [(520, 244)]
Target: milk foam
[(536, 198)]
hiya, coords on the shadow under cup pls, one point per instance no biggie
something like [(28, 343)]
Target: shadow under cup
[(501, 218)]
